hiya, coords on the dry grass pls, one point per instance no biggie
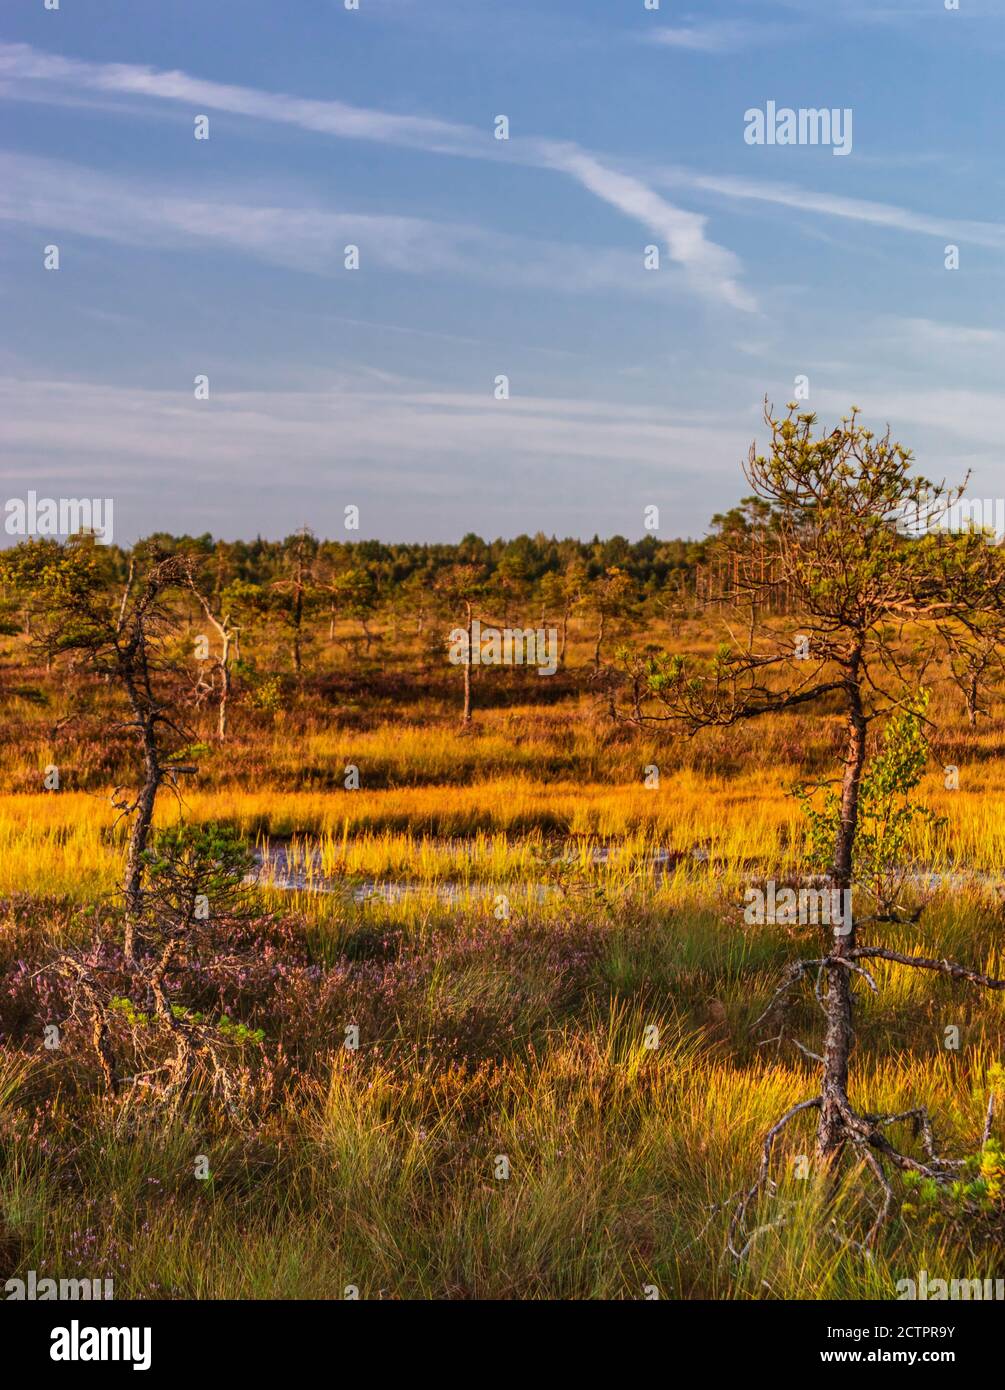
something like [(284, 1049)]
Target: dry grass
[(484, 1033)]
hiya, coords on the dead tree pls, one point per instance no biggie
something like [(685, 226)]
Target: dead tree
[(123, 639), (227, 631), (461, 586)]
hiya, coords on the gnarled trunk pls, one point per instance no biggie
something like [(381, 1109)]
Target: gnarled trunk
[(839, 1033), (221, 727), (138, 837)]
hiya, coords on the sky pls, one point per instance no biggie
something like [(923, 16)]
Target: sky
[(507, 358)]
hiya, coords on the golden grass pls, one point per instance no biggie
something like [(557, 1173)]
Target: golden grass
[(65, 843), (378, 1172), (618, 1158)]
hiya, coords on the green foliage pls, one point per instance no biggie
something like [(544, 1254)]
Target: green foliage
[(269, 696), (979, 1190), (186, 861), (136, 1018), (184, 755), (69, 581), (238, 1033), (243, 600), (887, 815)]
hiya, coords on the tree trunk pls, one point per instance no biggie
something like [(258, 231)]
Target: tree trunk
[(221, 727), (227, 634), (297, 617), (600, 638), (138, 837), (839, 1034)]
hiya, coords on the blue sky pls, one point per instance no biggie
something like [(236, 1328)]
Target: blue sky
[(481, 258)]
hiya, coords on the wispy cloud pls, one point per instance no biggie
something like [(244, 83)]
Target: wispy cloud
[(924, 335), (20, 63), (61, 198), (684, 232), (959, 415), (127, 442), (716, 36), (864, 210), (711, 270)]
